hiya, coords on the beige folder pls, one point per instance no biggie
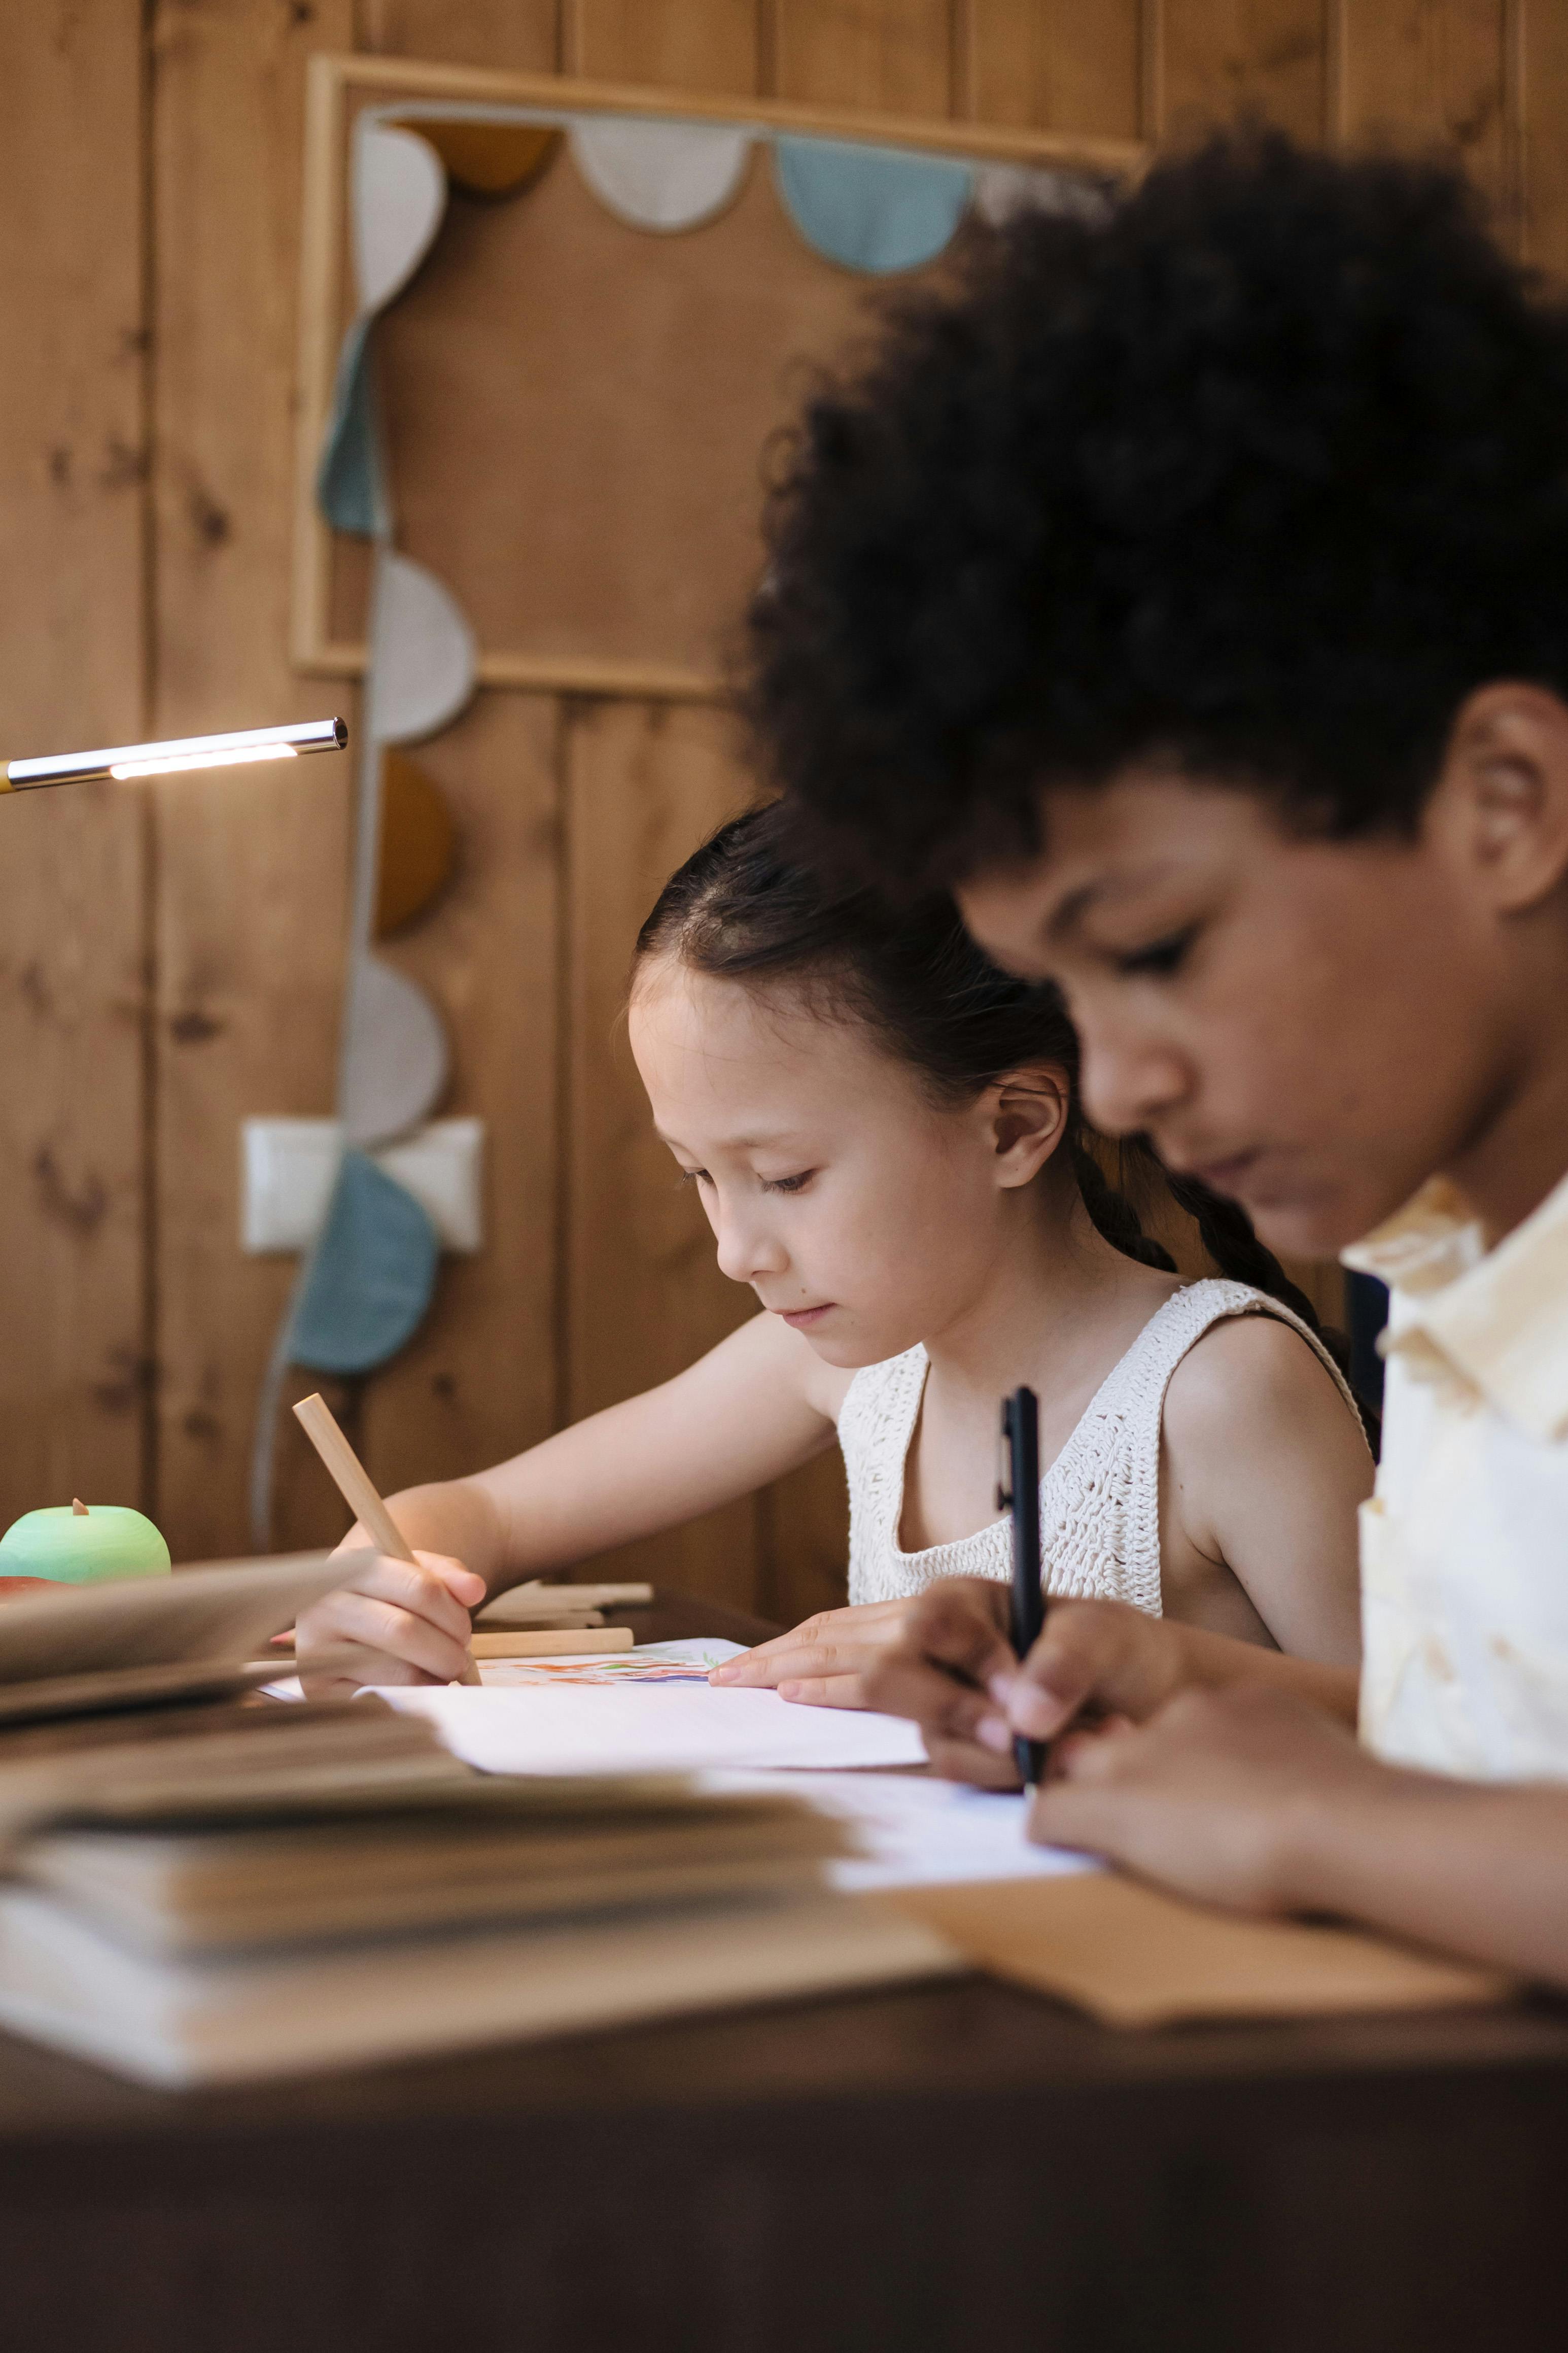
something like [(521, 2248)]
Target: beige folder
[(1135, 1957)]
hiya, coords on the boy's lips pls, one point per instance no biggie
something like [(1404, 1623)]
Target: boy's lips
[(1227, 1176)]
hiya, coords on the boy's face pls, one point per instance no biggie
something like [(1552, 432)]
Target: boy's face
[(1311, 1027)]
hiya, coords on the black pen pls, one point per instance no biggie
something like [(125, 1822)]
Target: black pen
[(1020, 1494)]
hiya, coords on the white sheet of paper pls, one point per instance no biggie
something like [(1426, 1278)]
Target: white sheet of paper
[(919, 1831), (652, 1727)]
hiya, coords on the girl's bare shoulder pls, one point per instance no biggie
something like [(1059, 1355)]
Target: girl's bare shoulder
[(1250, 1371)]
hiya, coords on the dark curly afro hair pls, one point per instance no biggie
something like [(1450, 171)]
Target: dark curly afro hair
[(1258, 475)]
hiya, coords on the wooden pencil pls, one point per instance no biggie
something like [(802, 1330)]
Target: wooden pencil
[(356, 1487)]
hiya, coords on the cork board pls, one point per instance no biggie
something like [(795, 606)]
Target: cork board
[(577, 413)]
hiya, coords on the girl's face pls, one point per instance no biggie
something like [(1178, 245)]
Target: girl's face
[(862, 1212)]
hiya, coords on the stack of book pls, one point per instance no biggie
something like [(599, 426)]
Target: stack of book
[(202, 1886)]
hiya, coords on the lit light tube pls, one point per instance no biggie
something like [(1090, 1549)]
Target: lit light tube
[(176, 758)]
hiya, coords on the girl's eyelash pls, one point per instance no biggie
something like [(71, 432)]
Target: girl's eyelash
[(769, 1185), (1159, 958)]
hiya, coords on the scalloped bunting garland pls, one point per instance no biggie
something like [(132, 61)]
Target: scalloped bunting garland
[(418, 844), (399, 196), (368, 1282), (1002, 191), (660, 175), (879, 209), (490, 159), (424, 659)]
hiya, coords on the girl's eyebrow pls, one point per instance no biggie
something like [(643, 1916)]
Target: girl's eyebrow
[(736, 1142)]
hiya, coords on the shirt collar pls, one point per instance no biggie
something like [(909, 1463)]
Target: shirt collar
[(1500, 1317)]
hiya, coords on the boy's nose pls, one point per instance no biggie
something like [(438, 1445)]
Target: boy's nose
[(1129, 1081)]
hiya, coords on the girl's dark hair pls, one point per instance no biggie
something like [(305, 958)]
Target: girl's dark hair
[(742, 908)]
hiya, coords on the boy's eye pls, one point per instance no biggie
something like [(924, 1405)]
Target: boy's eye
[(1159, 958), (785, 1184)]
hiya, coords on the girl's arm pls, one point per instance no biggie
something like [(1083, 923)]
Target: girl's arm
[(754, 1407), (1262, 1466)]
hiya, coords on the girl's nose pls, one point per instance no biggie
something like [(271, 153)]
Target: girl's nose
[(747, 1250)]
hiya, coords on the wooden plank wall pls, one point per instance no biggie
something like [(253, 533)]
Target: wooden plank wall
[(171, 962)]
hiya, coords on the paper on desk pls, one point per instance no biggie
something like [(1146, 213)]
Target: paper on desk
[(634, 1725), (918, 1831)]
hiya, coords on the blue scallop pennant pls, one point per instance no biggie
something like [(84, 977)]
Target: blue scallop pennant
[(871, 208), (371, 1275), (350, 488)]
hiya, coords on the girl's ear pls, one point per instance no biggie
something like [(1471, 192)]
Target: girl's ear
[(1027, 1115)]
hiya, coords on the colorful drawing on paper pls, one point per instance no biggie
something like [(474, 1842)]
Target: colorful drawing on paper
[(651, 1663)]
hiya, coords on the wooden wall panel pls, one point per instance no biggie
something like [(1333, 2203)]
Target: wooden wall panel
[(1543, 140), (1054, 64), (644, 1294), (708, 45), (892, 55), (513, 35), (72, 656), (251, 867), (1222, 58), (1424, 74)]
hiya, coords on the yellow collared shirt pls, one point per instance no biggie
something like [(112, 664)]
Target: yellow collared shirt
[(1463, 1545)]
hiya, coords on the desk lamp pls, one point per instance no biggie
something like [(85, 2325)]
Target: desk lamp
[(185, 751)]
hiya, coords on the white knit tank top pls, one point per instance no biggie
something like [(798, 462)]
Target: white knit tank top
[(1099, 1501)]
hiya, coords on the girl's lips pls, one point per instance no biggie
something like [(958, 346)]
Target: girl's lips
[(800, 1318)]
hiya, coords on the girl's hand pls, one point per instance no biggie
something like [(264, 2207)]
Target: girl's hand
[(405, 1624), (1224, 1795), (954, 1671), (823, 1661)]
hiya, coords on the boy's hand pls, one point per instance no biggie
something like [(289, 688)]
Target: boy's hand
[(823, 1661), (408, 1625), (1222, 1796), (954, 1671)]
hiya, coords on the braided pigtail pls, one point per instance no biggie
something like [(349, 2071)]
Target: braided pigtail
[(1112, 1215)]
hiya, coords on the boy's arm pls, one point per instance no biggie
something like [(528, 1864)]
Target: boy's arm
[(1248, 1798), (752, 1409)]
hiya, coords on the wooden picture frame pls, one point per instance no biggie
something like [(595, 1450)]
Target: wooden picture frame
[(337, 89)]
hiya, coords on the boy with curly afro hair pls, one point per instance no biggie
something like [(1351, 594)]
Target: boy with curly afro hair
[(1187, 590)]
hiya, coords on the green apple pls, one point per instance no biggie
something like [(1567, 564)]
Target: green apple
[(79, 1544)]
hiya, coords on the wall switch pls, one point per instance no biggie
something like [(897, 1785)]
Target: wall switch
[(289, 1166)]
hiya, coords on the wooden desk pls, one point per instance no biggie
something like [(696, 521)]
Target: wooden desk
[(958, 2166)]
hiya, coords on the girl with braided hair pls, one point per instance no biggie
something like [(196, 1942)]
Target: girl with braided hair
[(884, 1131)]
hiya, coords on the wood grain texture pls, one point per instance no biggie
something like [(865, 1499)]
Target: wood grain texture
[(705, 45), (1431, 74), (644, 1296), (1054, 64), (514, 36), (1544, 133), (892, 55), (1224, 58), (72, 941), (251, 887)]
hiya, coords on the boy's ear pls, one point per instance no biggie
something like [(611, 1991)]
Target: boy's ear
[(1026, 1116), (1502, 800)]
